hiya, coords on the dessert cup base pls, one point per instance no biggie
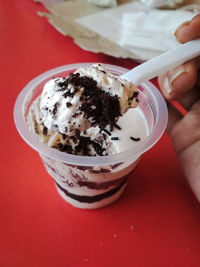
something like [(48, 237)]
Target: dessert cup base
[(94, 205)]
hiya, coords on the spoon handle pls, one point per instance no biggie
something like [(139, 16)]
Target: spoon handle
[(163, 62)]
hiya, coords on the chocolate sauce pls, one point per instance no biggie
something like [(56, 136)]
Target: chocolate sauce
[(91, 199)]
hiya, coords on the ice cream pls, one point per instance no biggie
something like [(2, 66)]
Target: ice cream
[(89, 113), (88, 97)]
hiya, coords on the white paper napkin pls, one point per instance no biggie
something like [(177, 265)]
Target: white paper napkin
[(152, 29)]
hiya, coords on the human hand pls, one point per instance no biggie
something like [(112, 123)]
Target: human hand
[(182, 84)]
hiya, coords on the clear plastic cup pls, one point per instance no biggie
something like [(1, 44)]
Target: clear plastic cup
[(91, 182)]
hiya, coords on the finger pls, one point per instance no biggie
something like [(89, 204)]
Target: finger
[(190, 98), (191, 167), (186, 131), (186, 99), (196, 108), (177, 82), (173, 116), (187, 145), (184, 77), (189, 30)]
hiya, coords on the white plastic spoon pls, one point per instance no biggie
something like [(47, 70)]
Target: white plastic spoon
[(163, 62)]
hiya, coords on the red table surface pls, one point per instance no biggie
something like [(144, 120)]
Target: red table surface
[(155, 223)]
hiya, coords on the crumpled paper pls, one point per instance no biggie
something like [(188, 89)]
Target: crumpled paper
[(98, 29), (152, 30)]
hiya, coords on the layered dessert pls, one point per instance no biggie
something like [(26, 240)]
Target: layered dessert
[(90, 113)]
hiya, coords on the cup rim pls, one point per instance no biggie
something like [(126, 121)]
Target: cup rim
[(42, 148)]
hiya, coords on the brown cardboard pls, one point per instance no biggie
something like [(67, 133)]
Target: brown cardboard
[(63, 15), (62, 18)]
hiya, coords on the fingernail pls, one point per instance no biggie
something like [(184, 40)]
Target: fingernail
[(179, 71), (186, 23), (167, 85)]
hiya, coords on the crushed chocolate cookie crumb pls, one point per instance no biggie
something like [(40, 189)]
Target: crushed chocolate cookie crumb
[(82, 145), (61, 85), (64, 136), (114, 138), (135, 94), (117, 126), (68, 104), (98, 105), (104, 136), (45, 131), (106, 131), (103, 71), (134, 139), (36, 127), (55, 108), (64, 148), (75, 115)]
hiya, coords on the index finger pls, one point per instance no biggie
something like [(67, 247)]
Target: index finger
[(189, 30)]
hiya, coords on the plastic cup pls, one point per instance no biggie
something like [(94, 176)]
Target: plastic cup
[(91, 182)]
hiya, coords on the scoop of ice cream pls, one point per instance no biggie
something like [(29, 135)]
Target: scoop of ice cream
[(87, 98)]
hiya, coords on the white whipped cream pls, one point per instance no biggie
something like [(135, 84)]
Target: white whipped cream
[(52, 100)]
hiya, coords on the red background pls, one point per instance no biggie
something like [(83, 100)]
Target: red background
[(155, 223)]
